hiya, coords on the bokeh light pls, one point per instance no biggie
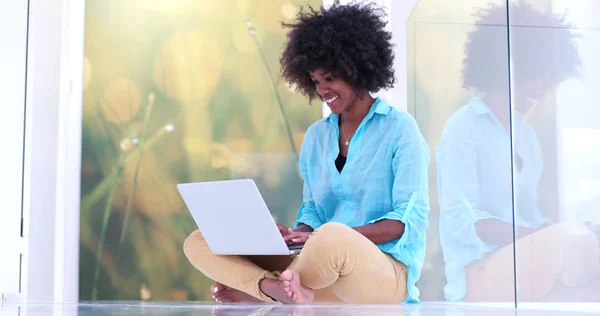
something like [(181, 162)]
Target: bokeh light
[(189, 65), (121, 101)]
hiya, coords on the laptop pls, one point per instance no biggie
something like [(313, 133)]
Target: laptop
[(233, 218)]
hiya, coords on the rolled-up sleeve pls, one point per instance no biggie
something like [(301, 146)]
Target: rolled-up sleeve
[(410, 193), (307, 214)]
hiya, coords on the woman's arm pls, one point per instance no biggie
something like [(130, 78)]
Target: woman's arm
[(407, 220), (304, 228), (307, 214), (382, 231), (498, 232), (378, 233)]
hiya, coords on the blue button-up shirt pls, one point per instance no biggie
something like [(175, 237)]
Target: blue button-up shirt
[(385, 177), (475, 183)]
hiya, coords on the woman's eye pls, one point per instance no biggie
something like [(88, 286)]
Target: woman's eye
[(330, 78), (316, 82)]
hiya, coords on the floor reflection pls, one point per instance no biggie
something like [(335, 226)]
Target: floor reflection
[(198, 308)]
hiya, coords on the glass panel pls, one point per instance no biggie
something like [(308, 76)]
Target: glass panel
[(458, 92), (556, 74), (176, 91)]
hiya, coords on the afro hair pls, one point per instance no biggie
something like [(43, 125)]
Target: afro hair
[(349, 40), (542, 44)]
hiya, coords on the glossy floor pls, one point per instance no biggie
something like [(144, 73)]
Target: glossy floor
[(425, 309)]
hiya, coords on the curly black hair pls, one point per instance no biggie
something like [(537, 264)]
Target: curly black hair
[(541, 43), (349, 40)]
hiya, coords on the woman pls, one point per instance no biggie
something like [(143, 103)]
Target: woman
[(365, 205)]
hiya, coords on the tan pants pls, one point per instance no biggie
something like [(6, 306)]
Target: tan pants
[(562, 255), (340, 264)]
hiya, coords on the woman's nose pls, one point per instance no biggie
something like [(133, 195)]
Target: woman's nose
[(323, 89)]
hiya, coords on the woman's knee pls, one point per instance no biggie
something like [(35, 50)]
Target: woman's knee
[(331, 230), (331, 235), (193, 242)]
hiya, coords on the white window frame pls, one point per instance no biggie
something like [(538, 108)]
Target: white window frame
[(50, 272), (12, 129)]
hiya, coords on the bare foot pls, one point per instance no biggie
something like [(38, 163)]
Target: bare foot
[(299, 293), (289, 290), (226, 295)]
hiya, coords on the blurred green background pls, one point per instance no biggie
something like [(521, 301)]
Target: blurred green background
[(176, 91)]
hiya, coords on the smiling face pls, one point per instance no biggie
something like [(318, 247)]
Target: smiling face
[(333, 90)]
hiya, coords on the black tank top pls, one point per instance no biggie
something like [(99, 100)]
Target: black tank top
[(340, 161)]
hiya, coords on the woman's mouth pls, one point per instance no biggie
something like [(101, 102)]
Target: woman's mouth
[(331, 100)]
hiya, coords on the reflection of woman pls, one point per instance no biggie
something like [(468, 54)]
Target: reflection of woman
[(365, 205), (475, 172)]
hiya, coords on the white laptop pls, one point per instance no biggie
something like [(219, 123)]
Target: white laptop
[(233, 218)]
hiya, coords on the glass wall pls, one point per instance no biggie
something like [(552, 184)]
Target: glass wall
[(179, 91), (459, 95), (505, 92), (556, 133)]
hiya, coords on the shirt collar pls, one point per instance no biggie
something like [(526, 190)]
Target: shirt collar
[(378, 107), (481, 108), (478, 106)]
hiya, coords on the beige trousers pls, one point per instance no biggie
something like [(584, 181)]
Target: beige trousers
[(340, 264), (562, 255)]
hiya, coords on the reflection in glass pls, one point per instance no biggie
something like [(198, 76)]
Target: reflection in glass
[(549, 61), (439, 34), (474, 171), (477, 160)]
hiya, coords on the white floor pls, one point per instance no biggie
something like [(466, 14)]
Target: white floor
[(178, 308)]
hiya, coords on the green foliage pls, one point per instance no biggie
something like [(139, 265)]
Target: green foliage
[(176, 91)]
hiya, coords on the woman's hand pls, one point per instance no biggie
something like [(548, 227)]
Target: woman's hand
[(284, 230), (297, 238)]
